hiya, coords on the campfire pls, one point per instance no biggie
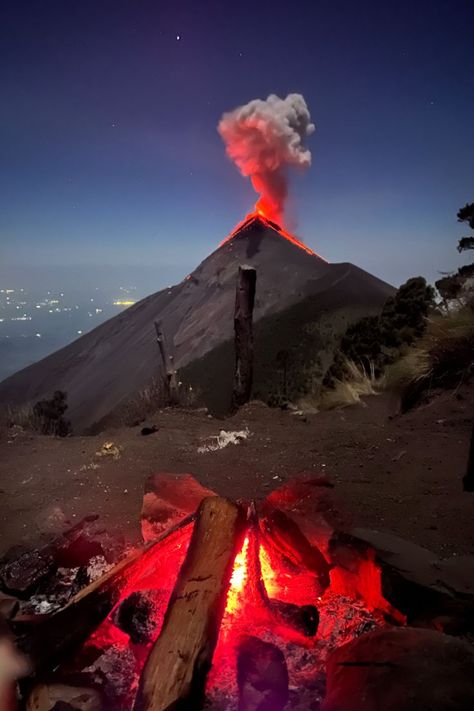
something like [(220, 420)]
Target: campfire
[(230, 607)]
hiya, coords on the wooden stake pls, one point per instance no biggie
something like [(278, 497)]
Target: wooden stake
[(175, 673), (244, 302), (168, 365)]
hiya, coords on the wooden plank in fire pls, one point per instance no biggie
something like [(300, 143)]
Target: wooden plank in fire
[(175, 673)]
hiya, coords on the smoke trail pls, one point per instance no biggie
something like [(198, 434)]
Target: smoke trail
[(264, 138)]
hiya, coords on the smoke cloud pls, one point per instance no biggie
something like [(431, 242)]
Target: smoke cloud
[(264, 139)]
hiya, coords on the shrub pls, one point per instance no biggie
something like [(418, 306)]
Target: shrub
[(49, 415), (375, 341), (443, 357)]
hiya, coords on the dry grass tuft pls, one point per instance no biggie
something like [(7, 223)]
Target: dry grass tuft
[(344, 392), (443, 357), (21, 416)]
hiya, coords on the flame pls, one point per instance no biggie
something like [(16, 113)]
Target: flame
[(238, 578), (262, 217)]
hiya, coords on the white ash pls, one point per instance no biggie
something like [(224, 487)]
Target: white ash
[(223, 439), (97, 567)]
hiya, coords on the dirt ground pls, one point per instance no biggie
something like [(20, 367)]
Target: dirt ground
[(400, 473)]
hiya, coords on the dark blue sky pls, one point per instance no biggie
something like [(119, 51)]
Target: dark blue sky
[(109, 153)]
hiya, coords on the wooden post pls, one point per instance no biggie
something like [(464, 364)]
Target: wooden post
[(168, 365), (244, 302), (174, 675), (468, 480)]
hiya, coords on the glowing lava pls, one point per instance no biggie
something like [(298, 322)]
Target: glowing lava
[(260, 216)]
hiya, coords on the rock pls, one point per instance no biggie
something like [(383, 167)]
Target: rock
[(115, 672), (23, 574), (9, 606), (413, 580), (169, 498), (87, 540), (148, 430), (262, 676), (401, 669), (46, 697), (139, 615)]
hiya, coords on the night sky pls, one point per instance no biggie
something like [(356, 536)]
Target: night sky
[(109, 153)]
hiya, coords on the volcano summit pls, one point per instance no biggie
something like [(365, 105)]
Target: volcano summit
[(109, 365)]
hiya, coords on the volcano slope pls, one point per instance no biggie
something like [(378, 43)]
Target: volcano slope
[(109, 365)]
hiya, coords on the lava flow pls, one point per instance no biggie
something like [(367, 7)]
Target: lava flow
[(260, 217)]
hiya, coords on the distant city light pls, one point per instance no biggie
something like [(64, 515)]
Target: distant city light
[(123, 302)]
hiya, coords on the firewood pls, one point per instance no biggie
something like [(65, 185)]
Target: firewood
[(302, 618), (175, 673), (47, 638), (282, 533)]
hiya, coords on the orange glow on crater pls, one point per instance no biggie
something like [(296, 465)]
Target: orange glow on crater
[(260, 216)]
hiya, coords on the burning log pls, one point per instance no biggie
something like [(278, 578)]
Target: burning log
[(281, 532), (47, 639), (175, 673), (302, 618), (244, 302)]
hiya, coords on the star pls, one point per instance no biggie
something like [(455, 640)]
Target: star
[(178, 37)]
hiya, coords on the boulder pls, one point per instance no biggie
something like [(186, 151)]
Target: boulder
[(262, 676), (169, 498), (401, 669)]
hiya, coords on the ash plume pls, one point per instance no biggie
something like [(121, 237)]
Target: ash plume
[(264, 138)]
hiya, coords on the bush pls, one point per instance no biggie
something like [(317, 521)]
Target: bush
[(443, 357), (49, 415), (375, 341)]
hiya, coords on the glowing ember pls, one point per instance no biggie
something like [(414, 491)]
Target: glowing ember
[(260, 216)]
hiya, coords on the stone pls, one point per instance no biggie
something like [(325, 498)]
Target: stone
[(169, 498), (115, 673), (138, 616), (262, 676), (9, 606), (401, 669), (148, 430), (46, 697), (23, 574), (413, 580), (85, 541)]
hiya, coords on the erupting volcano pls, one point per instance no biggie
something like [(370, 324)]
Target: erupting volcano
[(265, 139), (107, 367)]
